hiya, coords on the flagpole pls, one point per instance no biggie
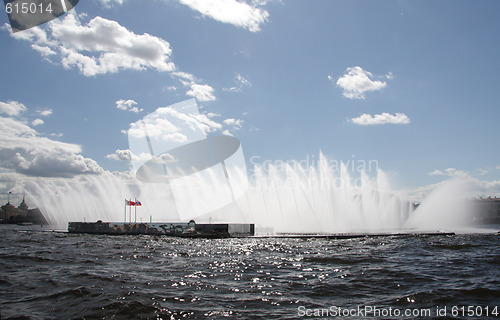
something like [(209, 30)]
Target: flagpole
[(135, 209), (130, 212)]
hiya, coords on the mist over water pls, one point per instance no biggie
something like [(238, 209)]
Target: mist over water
[(91, 198), (446, 207), (285, 198)]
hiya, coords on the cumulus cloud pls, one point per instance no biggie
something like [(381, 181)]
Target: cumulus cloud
[(384, 118), (98, 47), (45, 113), (24, 151), (11, 108), (128, 105), (102, 46), (237, 13), (57, 164), (357, 82), (202, 92), (153, 127), (127, 155), (37, 122), (169, 124), (120, 155)]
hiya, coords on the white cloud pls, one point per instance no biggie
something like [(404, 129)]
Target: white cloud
[(24, 151), (241, 82), (184, 76), (155, 128), (12, 108), (103, 46), (37, 122), (56, 135), (45, 113), (98, 47), (127, 155), (120, 155), (487, 188), (61, 164), (237, 13), (198, 122), (450, 172), (436, 173), (36, 35), (170, 88), (202, 92), (212, 115), (43, 51), (128, 105), (357, 82), (232, 121), (13, 128), (384, 118), (169, 124), (235, 123), (110, 3)]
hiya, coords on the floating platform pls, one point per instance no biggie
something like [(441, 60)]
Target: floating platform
[(183, 230), (218, 230), (340, 236)]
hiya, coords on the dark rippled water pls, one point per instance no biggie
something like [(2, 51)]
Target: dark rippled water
[(48, 275)]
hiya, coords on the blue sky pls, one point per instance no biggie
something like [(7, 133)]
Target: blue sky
[(411, 84)]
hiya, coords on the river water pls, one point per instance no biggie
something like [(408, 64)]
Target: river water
[(52, 275)]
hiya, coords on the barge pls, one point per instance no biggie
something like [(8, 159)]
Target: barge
[(173, 229)]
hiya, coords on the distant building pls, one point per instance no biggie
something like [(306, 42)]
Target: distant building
[(21, 214), (488, 210)]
